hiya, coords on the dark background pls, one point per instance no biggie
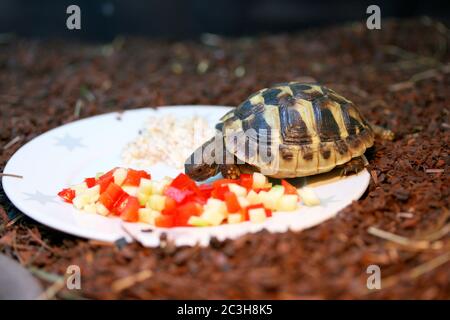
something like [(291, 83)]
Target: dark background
[(104, 19)]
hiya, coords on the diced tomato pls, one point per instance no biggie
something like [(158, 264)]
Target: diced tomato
[(246, 180), (169, 212), (67, 194), (232, 202), (288, 188), (164, 221), (198, 199), (219, 192), (268, 212), (120, 204), (104, 183), (105, 180), (185, 211), (130, 209), (112, 193), (206, 189), (134, 177), (90, 182), (170, 204), (220, 187), (177, 194), (183, 182), (257, 190), (110, 173)]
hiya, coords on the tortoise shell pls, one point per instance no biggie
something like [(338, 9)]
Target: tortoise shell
[(295, 129)]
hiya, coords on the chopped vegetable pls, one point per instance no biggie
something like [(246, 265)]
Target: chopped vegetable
[(288, 188), (257, 215), (234, 218), (308, 196), (259, 180), (232, 202), (164, 221), (135, 197), (246, 180), (104, 180), (134, 177), (90, 182), (67, 194), (120, 175), (186, 211), (197, 222), (179, 195), (110, 196), (237, 189), (287, 202), (130, 209)]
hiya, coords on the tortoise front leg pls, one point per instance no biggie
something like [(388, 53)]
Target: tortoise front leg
[(228, 164), (355, 165), (382, 133), (230, 171)]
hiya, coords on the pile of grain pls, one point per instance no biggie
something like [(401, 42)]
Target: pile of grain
[(167, 139)]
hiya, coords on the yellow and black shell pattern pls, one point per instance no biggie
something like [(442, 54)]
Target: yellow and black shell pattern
[(296, 129)]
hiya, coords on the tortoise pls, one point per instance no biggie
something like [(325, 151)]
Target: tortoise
[(288, 130)]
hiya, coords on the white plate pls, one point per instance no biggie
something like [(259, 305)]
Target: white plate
[(66, 155)]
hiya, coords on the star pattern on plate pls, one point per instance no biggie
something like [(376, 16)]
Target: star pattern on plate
[(40, 197), (69, 142)]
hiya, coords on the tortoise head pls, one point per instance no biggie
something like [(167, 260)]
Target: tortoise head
[(200, 172), (199, 168)]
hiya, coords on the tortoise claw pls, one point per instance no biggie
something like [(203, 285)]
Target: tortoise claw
[(353, 166), (230, 171)]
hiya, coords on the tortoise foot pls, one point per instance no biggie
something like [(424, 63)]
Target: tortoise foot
[(230, 171), (354, 166)]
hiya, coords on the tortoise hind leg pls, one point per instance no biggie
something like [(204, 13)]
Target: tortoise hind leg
[(355, 165), (382, 133)]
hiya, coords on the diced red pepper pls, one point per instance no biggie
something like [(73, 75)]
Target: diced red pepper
[(177, 194), (232, 202), (67, 194), (130, 210), (134, 177), (105, 180), (90, 182), (110, 173), (199, 199), (185, 211), (258, 190), (206, 189), (246, 180), (183, 182), (220, 187), (170, 204), (164, 221), (120, 204), (219, 192), (288, 188), (112, 193)]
